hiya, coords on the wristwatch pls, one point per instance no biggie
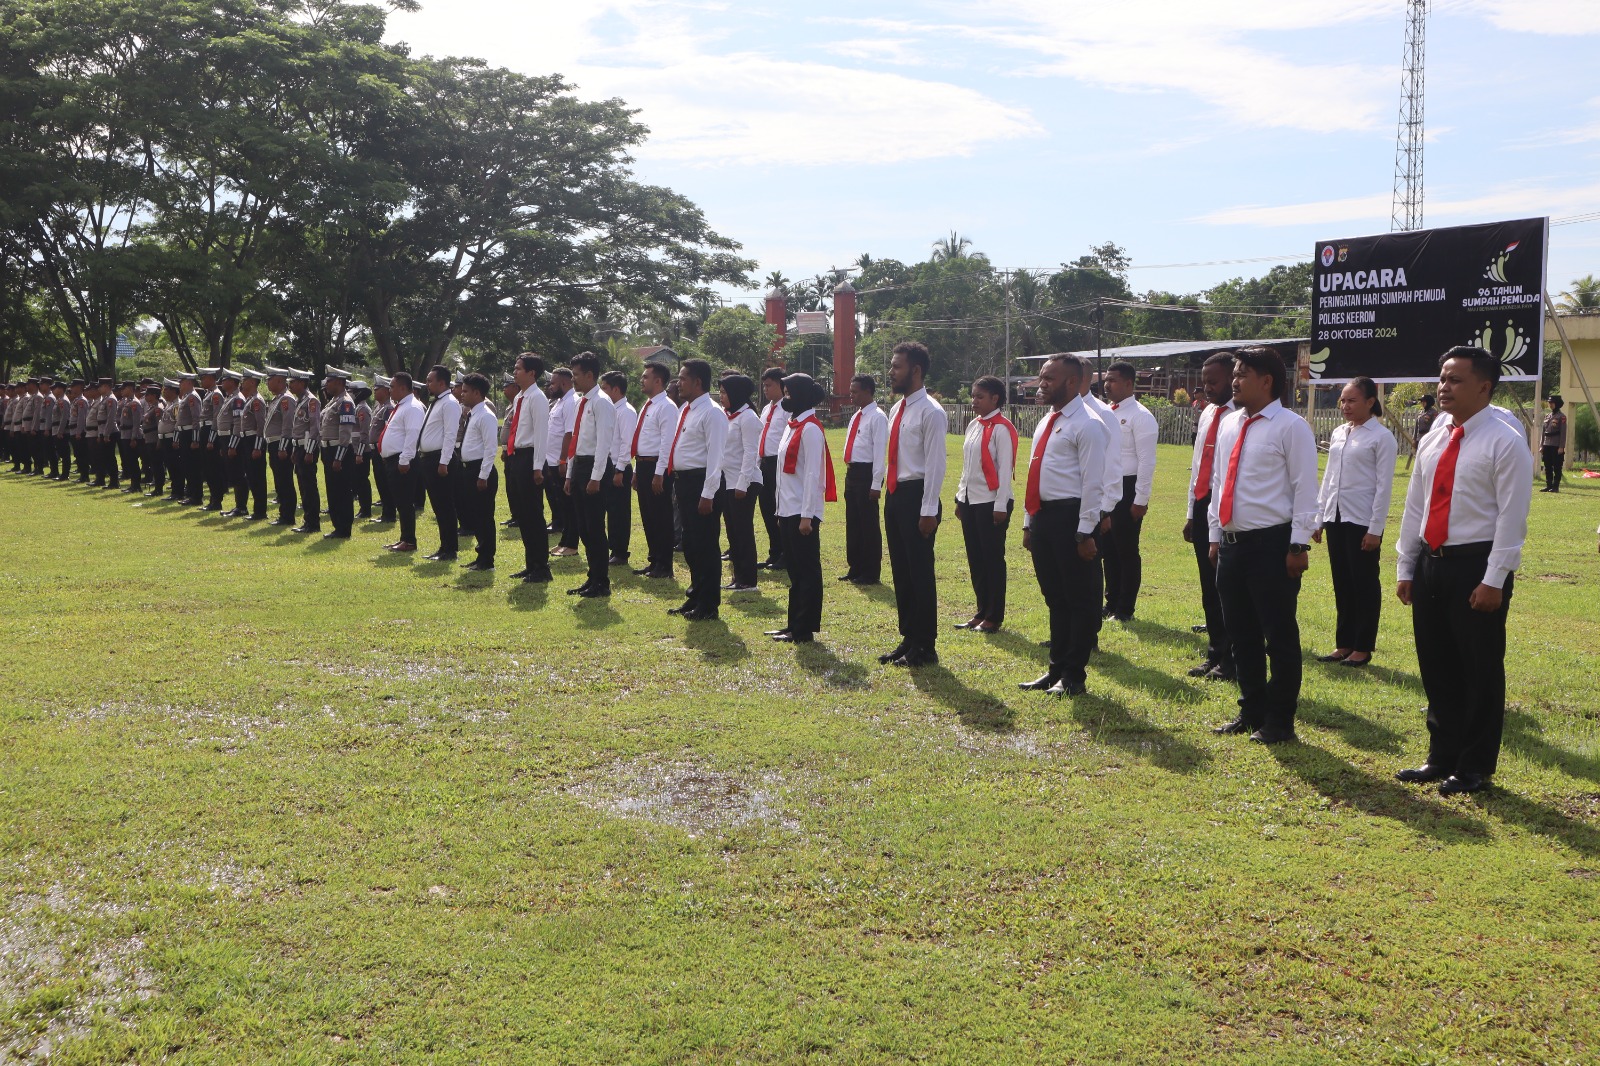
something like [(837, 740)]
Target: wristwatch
[(1081, 537), (1299, 549)]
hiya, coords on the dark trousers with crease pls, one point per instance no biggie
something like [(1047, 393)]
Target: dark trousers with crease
[(1071, 588), (655, 513), (589, 514), (403, 488), (182, 463), (803, 553), (1123, 564), (916, 597), (441, 497), (699, 541), (768, 502), (380, 476), (1552, 466), (280, 456), (739, 520), (1357, 588), (1461, 654), (1259, 601), (986, 559), (480, 506), (863, 535), (361, 485), (1217, 648), (255, 481), (305, 477), (619, 514), (109, 470), (563, 508), (130, 464), (526, 501)]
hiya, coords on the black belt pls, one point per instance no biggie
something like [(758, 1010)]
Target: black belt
[(1476, 550), (1248, 536), (1060, 505)]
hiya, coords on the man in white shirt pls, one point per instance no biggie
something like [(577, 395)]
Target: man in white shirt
[(1460, 544), (436, 457), (618, 490), (590, 443), (1216, 385), (1058, 530), (1263, 511), (694, 467), (563, 405), (1136, 462), (397, 447), (652, 435), (866, 444), (913, 480), (527, 431), (773, 418), (482, 481)]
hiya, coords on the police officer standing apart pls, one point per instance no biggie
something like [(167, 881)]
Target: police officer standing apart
[(305, 428), (338, 439)]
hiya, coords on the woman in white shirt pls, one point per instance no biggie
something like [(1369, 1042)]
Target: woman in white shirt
[(741, 479), (1353, 508), (983, 501)]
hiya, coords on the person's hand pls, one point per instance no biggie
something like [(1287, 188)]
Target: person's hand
[(739, 494), (1105, 524), (1316, 536), (705, 506), (1027, 540), (658, 485), (1138, 510), (616, 479), (538, 477), (195, 446), (961, 510), (404, 470), (1212, 553), (1402, 592), (444, 470), (360, 459), (805, 527), (1088, 550), (1188, 531), (256, 454), (591, 488), (1486, 598), (566, 486), (1002, 517), (338, 465), (483, 485), (927, 525), (1371, 542), (875, 494), (211, 446), (1297, 563)]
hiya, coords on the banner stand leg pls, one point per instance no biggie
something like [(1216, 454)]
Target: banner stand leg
[(1577, 368)]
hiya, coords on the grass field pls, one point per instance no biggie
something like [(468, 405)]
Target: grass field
[(270, 799)]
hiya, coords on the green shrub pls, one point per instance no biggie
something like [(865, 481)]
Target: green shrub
[(1585, 434)]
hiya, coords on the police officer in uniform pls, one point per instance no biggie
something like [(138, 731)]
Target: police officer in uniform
[(205, 449), (222, 415), (305, 427), (166, 437), (250, 446), (338, 439), (361, 474), (130, 434), (186, 469), (280, 443), (383, 408)]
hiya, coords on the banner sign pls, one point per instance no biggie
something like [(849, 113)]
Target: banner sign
[(1388, 306)]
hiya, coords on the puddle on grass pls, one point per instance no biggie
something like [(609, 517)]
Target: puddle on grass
[(227, 730), (685, 794)]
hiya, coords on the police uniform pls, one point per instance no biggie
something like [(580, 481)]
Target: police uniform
[(337, 439), (305, 427), (361, 445), (130, 413), (279, 437), (249, 447), (186, 471), (108, 426), (380, 469), (162, 460), (222, 419)]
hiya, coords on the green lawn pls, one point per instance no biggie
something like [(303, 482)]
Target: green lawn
[(269, 799)]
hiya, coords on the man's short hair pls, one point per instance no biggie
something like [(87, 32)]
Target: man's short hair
[(660, 372), (437, 370), (1484, 365), (773, 373), (400, 381), (587, 362), (616, 379), (1125, 368), (867, 382), (1077, 365), (916, 354), (561, 372), (991, 385), (1267, 361), (700, 370), (477, 382), (531, 363), (1219, 359)]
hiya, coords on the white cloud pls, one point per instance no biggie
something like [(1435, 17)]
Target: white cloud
[(1556, 17), (1521, 201), (899, 51)]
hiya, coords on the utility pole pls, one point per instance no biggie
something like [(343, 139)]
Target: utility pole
[(1006, 373), (1099, 356), (1407, 209)]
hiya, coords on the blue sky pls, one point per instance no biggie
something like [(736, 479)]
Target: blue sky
[(1188, 131)]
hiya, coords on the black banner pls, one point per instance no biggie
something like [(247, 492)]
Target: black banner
[(1388, 306)]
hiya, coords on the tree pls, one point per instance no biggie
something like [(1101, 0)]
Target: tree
[(1583, 298), (952, 247), (736, 338)]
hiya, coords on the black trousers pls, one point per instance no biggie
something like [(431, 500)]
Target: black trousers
[(911, 563), (1070, 585), (108, 461), (1552, 466), (380, 478), (216, 453), (305, 476), (80, 452), (655, 513), (863, 536), (1123, 564), (986, 559), (804, 557), (465, 514), (739, 520), (280, 457), (1259, 601), (442, 498), (402, 489), (526, 500), (1461, 654), (361, 484), (130, 463), (768, 502), (589, 519), (238, 467), (479, 514), (62, 467), (341, 498), (182, 463), (1218, 650), (255, 480), (619, 514), (1357, 590), (561, 506), (155, 465), (699, 541)]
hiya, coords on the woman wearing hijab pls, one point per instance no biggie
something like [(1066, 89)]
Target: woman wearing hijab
[(1353, 507), (983, 501), (741, 479), (805, 483)]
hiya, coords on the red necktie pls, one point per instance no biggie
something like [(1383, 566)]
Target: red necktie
[(791, 458), (1225, 508), (850, 441), (577, 423), (766, 427), (991, 474), (511, 430), (382, 432), (1208, 451), (1444, 482), (1031, 501), (633, 449), (893, 477), (672, 453)]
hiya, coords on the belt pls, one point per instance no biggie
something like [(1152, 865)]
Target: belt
[(273, 440), (1248, 536), (1476, 550), (205, 422), (648, 458), (165, 436), (1056, 505), (306, 443)]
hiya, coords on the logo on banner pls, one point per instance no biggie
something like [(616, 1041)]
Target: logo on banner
[(1511, 347), (1497, 265), (1327, 255)]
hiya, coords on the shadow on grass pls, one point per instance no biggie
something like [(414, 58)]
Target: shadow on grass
[(821, 662), (1019, 645), (1126, 672), (475, 581), (529, 595), (1525, 736), (1357, 731), (715, 641), (879, 593), (322, 545), (1386, 674), (660, 588), (1538, 818), (390, 560), (977, 710), (1156, 633), (594, 612), (756, 606), (1109, 722), (1381, 797)]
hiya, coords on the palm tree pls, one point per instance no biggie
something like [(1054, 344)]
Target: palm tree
[(952, 247), (863, 261), (776, 280), (1584, 299)]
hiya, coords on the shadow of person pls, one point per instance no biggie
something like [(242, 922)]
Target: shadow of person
[(1381, 797), (1108, 721), (475, 580), (1357, 731), (820, 661), (1156, 633), (756, 606), (595, 612), (326, 544), (1525, 736), (879, 593), (655, 587), (1387, 674), (1538, 818), (529, 595), (1020, 646), (715, 641), (1125, 672), (977, 710), (391, 560)]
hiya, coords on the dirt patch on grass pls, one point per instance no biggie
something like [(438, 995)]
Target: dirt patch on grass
[(685, 794), (227, 730)]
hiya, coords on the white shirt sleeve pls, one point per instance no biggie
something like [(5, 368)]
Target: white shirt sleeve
[(1385, 449), (813, 478), (714, 424), (1145, 433), (749, 429), (935, 425), (605, 434), (410, 431), (880, 447), (1302, 449), (1004, 465)]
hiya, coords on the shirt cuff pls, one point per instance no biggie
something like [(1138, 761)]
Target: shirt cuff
[(1495, 577)]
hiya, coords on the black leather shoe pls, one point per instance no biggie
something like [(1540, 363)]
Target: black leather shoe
[(520, 574), (1221, 673), (641, 571), (309, 529), (1271, 734), (1456, 784), (684, 609), (918, 657), (793, 638), (277, 522), (1332, 657), (580, 590), (1425, 774), (1039, 684), (775, 632), (1203, 669), (537, 579), (900, 649), (1067, 688), (441, 557), (617, 560), (1238, 725), (478, 568), (1355, 663), (703, 615), (336, 535), (596, 593), (846, 577)]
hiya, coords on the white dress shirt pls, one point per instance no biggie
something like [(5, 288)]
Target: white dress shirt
[(701, 442), (482, 439), (439, 427), (626, 419), (1111, 474), (1359, 480), (1277, 480), (400, 433), (1138, 430), (558, 426), (923, 425), (1070, 454), (772, 423), (803, 492), (973, 487), (597, 430), (872, 441), (658, 418), (1488, 501), (1202, 428), (741, 450), (532, 414)]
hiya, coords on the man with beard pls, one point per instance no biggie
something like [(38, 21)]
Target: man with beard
[(527, 428)]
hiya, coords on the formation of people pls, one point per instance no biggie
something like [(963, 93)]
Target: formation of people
[(700, 462)]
